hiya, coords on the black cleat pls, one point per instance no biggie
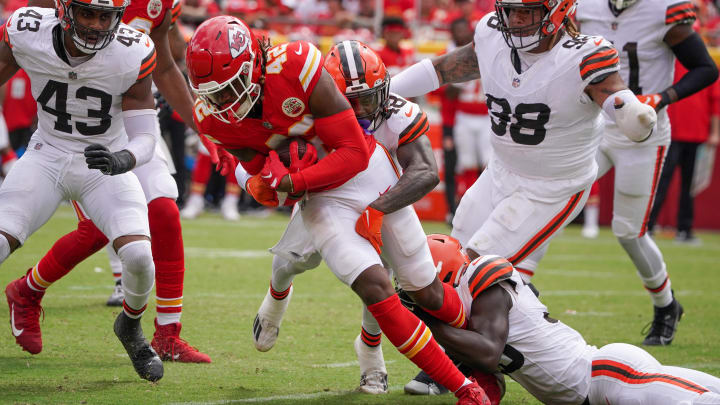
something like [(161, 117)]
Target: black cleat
[(146, 362), (664, 324), (423, 384)]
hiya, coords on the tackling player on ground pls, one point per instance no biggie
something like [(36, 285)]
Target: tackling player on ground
[(512, 332), (155, 18), (649, 35), (83, 120), (231, 72)]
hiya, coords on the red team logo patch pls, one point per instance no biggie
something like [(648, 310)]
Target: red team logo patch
[(238, 41), (154, 8), (293, 107)]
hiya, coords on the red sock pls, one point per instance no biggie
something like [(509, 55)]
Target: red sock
[(370, 339), (65, 254), (452, 311), (413, 339), (169, 258)]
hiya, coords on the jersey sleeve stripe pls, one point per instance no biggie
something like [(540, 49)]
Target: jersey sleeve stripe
[(312, 63), (175, 13), (6, 37), (604, 53), (414, 125), (491, 273), (148, 65), (607, 63), (680, 13), (412, 133)]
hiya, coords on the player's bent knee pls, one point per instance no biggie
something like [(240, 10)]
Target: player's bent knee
[(11, 241), (126, 239), (136, 257), (624, 229), (373, 285), (163, 212)]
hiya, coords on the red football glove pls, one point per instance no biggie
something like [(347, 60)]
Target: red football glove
[(224, 162), (309, 158), (261, 192), (653, 100), (273, 171), (369, 226)]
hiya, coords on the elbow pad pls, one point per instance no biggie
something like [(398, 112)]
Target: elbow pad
[(143, 131), (635, 119), (416, 80)]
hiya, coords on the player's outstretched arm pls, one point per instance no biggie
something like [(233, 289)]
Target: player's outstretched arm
[(419, 177), (690, 50), (8, 65), (167, 76), (457, 66), (635, 119), (481, 346)]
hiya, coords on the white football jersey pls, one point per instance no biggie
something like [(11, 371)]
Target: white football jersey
[(544, 124), (647, 63), (548, 358), (81, 105), (405, 124)]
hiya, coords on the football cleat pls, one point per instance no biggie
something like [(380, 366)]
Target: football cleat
[(472, 394), (193, 207), (25, 316), (168, 345), (266, 326), (590, 232), (144, 359), (664, 324), (229, 208), (423, 384), (373, 378), (118, 295)]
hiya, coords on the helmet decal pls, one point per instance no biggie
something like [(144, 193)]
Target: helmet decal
[(238, 41)]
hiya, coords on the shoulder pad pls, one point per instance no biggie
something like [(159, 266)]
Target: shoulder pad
[(486, 271), (406, 119), (302, 61), (599, 58), (679, 13)]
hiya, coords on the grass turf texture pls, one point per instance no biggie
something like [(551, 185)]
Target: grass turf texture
[(588, 284)]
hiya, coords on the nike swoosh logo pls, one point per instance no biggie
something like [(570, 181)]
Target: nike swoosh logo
[(147, 42), (299, 51), (598, 41), (16, 332), (266, 177), (409, 113), (367, 218)]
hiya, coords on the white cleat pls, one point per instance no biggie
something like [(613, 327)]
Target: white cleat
[(373, 378), (266, 326), (193, 207), (590, 232), (229, 208)]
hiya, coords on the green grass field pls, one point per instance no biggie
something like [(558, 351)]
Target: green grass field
[(590, 285)]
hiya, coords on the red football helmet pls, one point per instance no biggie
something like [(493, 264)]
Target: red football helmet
[(552, 17), (449, 257), (86, 39), (361, 76), (225, 65)]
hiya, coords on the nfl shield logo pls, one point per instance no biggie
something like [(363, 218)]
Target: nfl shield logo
[(72, 76), (614, 26), (516, 82)]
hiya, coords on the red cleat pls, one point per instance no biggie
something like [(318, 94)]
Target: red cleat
[(492, 384), (170, 347), (25, 312), (472, 394)]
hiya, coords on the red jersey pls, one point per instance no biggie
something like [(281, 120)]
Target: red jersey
[(690, 117), (292, 71), (471, 99), (144, 15), (19, 108)]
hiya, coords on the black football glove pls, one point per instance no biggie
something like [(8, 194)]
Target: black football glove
[(110, 163)]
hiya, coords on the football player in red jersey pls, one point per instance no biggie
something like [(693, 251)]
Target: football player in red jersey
[(155, 18), (231, 72)]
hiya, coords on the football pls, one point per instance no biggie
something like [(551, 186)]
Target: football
[(283, 150)]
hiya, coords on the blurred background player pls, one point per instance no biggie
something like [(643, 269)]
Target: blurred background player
[(396, 52), (695, 121), (155, 18), (72, 142), (8, 157), (649, 35), (19, 109)]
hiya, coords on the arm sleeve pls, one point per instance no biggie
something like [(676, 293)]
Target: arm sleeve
[(142, 131), (241, 176), (416, 80), (702, 71), (341, 132)]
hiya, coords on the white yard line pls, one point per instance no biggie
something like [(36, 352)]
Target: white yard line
[(289, 397)]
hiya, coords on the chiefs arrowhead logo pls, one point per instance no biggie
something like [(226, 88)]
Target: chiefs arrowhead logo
[(238, 40)]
